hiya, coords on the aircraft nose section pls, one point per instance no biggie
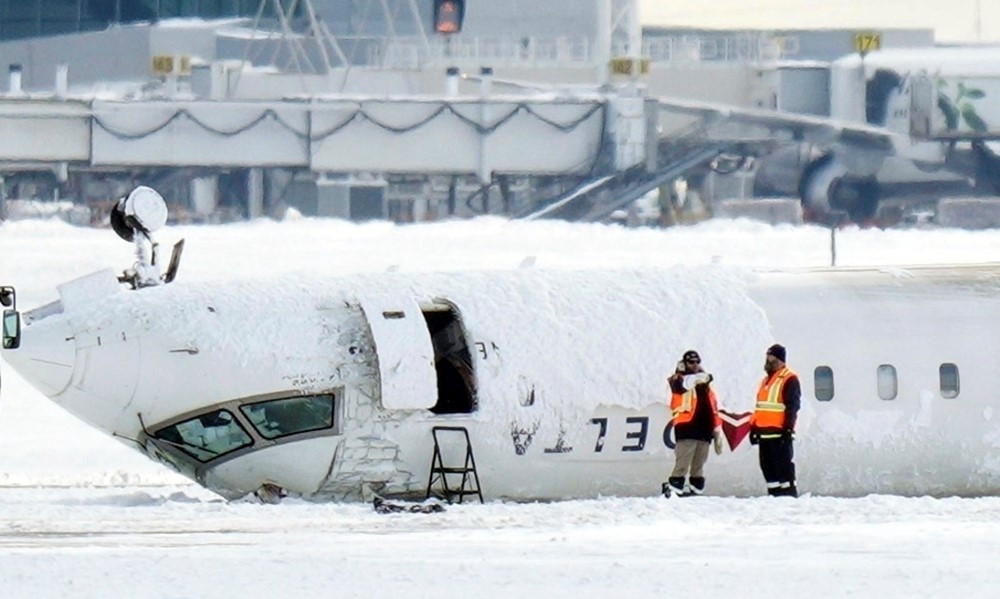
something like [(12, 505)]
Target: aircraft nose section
[(46, 356), (91, 373), (79, 354)]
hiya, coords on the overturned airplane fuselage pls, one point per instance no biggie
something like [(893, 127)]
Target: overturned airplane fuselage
[(330, 389)]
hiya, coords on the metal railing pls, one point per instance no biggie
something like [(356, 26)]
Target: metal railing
[(749, 47), (418, 52), (415, 52)]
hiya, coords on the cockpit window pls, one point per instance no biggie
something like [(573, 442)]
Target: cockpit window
[(206, 437), (289, 416)]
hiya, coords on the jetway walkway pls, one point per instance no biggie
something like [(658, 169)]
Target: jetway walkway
[(563, 138), (428, 135)]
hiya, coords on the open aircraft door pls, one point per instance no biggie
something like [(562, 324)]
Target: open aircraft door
[(404, 353)]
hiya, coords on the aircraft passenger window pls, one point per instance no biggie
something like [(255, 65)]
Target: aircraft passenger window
[(823, 383), (949, 380), (887, 383), (206, 437), (290, 416)]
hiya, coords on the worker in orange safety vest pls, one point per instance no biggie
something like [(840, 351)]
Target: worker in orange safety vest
[(695, 417), (772, 425)]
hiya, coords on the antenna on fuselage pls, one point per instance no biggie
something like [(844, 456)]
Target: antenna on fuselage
[(134, 218)]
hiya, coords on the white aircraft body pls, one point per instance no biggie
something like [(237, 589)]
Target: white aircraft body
[(329, 389)]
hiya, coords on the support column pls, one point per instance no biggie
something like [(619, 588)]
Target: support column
[(602, 41), (62, 80), (255, 193), (14, 86), (485, 117), (451, 82), (204, 194)]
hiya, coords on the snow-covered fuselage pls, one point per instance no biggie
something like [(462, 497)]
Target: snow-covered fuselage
[(329, 389)]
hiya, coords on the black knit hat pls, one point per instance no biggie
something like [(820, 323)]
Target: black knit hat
[(691, 355), (778, 351)]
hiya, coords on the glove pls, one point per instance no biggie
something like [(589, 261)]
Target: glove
[(788, 435), (754, 437), (717, 441)]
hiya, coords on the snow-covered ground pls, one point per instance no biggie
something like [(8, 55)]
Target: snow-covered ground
[(178, 542), (84, 516)]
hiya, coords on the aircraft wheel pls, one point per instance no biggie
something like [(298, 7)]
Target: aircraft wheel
[(858, 198)]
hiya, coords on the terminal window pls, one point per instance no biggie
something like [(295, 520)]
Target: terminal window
[(35, 18)]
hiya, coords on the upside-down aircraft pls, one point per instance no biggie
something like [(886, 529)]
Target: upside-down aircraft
[(523, 384)]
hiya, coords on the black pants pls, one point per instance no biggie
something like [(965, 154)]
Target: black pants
[(777, 466)]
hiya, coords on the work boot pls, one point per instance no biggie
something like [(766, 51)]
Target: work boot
[(697, 485), (674, 486), (790, 491)]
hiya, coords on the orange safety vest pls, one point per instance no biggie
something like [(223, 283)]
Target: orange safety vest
[(770, 410), (683, 405)]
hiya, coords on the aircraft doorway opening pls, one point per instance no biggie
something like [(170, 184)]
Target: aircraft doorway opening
[(456, 381)]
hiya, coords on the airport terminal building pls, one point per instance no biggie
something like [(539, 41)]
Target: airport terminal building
[(185, 58), (322, 104), (36, 18)]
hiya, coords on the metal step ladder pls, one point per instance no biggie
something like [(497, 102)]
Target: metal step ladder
[(439, 472)]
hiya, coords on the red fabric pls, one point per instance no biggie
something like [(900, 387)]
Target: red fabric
[(735, 427)]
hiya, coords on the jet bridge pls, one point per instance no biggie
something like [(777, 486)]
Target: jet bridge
[(449, 135)]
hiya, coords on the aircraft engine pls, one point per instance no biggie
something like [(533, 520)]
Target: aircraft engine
[(829, 193)]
